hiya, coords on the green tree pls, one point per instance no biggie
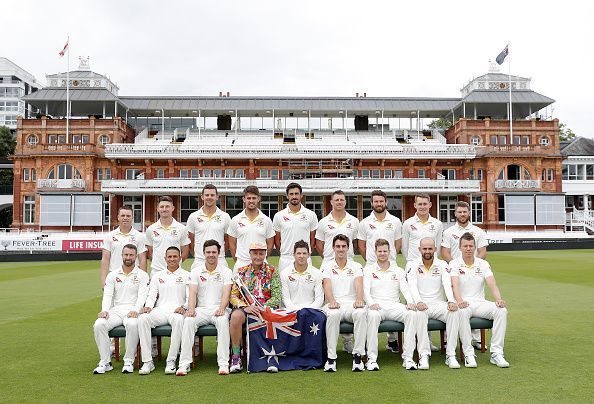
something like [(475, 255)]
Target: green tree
[(565, 133), (7, 142), (440, 123), (6, 217)]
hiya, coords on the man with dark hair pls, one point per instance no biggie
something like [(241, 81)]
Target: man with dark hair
[(164, 233), (292, 224), (338, 221), (302, 282), (421, 225), (124, 295), (248, 227), (114, 242), (450, 248), (208, 298), (343, 289), (207, 223)]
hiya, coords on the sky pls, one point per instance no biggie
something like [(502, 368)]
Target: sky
[(313, 48)]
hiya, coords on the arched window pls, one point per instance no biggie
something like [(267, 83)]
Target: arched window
[(514, 172), (63, 172)]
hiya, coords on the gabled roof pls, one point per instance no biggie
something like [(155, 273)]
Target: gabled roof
[(497, 96), (76, 94), (581, 146)]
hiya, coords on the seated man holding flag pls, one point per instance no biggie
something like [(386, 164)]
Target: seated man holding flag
[(256, 285)]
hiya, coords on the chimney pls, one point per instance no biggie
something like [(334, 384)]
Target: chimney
[(227, 93), (357, 95), (365, 95), (220, 93)]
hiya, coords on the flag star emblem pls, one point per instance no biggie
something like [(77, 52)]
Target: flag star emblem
[(271, 354), (313, 328)]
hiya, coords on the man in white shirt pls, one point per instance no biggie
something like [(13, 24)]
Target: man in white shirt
[(208, 301), (248, 227), (114, 242), (207, 223), (124, 295), (301, 283), (421, 225), (469, 276), (450, 248), (165, 304), (165, 233), (383, 282), (429, 279), (292, 224), (343, 290)]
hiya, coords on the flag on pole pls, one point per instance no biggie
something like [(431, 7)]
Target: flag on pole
[(63, 51), (502, 55)]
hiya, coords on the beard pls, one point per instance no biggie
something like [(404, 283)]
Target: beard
[(428, 256), (379, 209), (463, 220), (129, 263)]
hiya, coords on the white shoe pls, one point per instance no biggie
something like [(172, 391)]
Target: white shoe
[(477, 345), (128, 368), (170, 368), (100, 369), (470, 361), (372, 365), (347, 344), (330, 365), (147, 367), (183, 370), (452, 362), (358, 365), (409, 364), (235, 364), (272, 369), (499, 360), (224, 370), (423, 362)]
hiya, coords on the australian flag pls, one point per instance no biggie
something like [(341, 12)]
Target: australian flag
[(288, 340)]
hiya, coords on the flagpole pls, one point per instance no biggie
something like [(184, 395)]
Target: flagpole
[(68, 92), (511, 129)]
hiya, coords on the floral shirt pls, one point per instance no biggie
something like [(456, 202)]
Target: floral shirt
[(263, 284)]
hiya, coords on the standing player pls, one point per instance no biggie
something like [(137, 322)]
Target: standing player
[(248, 227), (382, 284), (301, 283), (114, 242), (208, 223), (166, 232), (469, 276), (124, 295), (164, 305), (450, 243), (343, 289), (292, 224), (421, 225), (429, 278), (210, 288)]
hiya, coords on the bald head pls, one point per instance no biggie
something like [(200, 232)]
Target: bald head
[(427, 248)]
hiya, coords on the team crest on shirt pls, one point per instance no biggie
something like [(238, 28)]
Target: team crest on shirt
[(394, 277), (390, 226), (309, 278), (199, 220), (334, 271), (179, 280), (372, 227), (303, 218), (202, 278), (462, 272), (286, 219), (217, 219), (478, 271), (331, 227), (350, 272), (448, 270), (435, 272), (291, 278), (118, 280), (432, 227), (135, 280), (241, 224), (349, 226), (174, 232), (133, 239), (455, 237), (260, 223), (161, 280), (374, 276), (114, 238), (217, 277)]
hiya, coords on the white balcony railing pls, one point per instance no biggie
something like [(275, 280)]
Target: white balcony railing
[(61, 184), (318, 186), (517, 184)]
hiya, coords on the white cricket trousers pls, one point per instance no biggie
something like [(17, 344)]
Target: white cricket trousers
[(117, 316), (346, 312), (414, 324), (490, 311), (155, 318), (439, 311), (204, 315)]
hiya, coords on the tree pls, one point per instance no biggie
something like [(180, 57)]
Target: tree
[(440, 123), (6, 217), (7, 142), (565, 133)]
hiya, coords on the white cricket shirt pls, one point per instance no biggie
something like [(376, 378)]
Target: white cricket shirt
[(371, 229), (115, 241), (161, 238), (471, 279), (206, 227), (343, 280), (328, 227), (125, 290), (248, 231), (301, 290), (294, 227), (210, 284)]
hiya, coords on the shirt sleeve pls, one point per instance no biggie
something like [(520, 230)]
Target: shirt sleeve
[(313, 224), (108, 292), (355, 229), (404, 288), (185, 239), (107, 242), (325, 269), (320, 231), (446, 281), (405, 238), (439, 235), (232, 230), (481, 239), (149, 237), (286, 294), (228, 277), (445, 241), (487, 270), (397, 229), (411, 278), (362, 231), (143, 289), (367, 287), (191, 223), (318, 293), (152, 293), (141, 245), (193, 277), (269, 230), (276, 222)]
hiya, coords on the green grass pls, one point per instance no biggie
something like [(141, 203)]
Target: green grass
[(48, 351)]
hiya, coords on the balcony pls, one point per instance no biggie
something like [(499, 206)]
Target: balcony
[(47, 185), (529, 185), (318, 186)]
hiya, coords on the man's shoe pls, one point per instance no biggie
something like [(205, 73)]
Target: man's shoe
[(147, 367), (100, 369), (409, 364), (128, 368), (452, 362), (470, 361), (183, 370), (392, 346), (423, 362), (170, 368), (224, 370), (477, 345), (272, 369), (499, 360), (372, 365), (347, 344), (330, 365), (235, 364), (358, 365)]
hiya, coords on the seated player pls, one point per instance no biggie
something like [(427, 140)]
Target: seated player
[(343, 289), (469, 276), (262, 281), (383, 281), (124, 295), (301, 282), (208, 298), (164, 305)]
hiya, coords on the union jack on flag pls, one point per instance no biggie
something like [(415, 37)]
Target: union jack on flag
[(280, 320)]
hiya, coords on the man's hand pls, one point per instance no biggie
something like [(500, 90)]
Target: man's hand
[(411, 306), (191, 313), (463, 304), (358, 304), (180, 310), (500, 303), (146, 309), (421, 306), (452, 306), (219, 312), (252, 309), (133, 314), (334, 305), (374, 306), (103, 314)]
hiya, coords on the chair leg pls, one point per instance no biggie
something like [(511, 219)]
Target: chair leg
[(442, 341), (116, 343), (244, 345), (400, 342), (483, 348), (138, 356), (159, 342), (201, 347), (193, 364), (461, 350)]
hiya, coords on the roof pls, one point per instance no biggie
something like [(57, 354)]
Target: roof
[(498, 97), (580, 146), (77, 74), (498, 77), (76, 94)]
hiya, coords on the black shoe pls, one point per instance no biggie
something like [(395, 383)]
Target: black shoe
[(393, 346)]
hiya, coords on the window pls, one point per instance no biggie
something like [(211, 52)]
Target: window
[(269, 205), (132, 173), (32, 140), (543, 175), (494, 139), (160, 173), (365, 173), (475, 140), (387, 173), (421, 173), (107, 173), (106, 209), (29, 209), (544, 141), (103, 174), (517, 139), (502, 139), (233, 205), (316, 204), (264, 173), (104, 139), (375, 173), (367, 209), (476, 208), (65, 172), (564, 172), (286, 174), (99, 174), (449, 173), (476, 174), (207, 173), (398, 174), (525, 139), (228, 173), (394, 205), (550, 175), (80, 139), (56, 139), (183, 173), (589, 172), (447, 208), (188, 204), (240, 173), (26, 177), (501, 208), (33, 175), (351, 205), (274, 174)]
